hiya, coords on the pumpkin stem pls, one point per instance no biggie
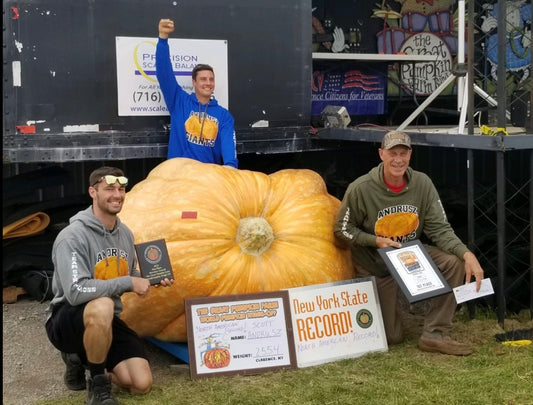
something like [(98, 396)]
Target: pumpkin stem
[(254, 235)]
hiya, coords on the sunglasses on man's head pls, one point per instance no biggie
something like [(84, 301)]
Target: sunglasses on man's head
[(110, 179)]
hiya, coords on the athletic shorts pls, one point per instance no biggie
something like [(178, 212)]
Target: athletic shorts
[(65, 330)]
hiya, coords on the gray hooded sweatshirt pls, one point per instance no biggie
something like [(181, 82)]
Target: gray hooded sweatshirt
[(91, 262)]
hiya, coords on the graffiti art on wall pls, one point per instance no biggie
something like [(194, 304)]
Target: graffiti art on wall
[(419, 27), (415, 16), (517, 37), (438, 17), (430, 26)]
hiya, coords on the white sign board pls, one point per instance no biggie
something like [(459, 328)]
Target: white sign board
[(245, 334), (138, 90), (335, 321)]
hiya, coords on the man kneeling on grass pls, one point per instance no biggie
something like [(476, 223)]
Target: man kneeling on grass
[(94, 264), (394, 203)]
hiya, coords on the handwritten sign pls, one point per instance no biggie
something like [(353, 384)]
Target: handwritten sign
[(425, 77), (239, 334), (335, 321)]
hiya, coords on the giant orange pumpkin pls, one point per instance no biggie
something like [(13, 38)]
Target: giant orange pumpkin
[(229, 231)]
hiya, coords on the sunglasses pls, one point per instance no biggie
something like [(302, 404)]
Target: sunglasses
[(110, 179)]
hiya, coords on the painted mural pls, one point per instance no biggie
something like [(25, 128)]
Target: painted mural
[(517, 41), (422, 26), (418, 27)]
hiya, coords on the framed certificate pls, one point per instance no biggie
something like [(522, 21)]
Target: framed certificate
[(414, 270)]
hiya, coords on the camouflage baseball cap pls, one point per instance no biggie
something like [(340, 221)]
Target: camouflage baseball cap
[(395, 138)]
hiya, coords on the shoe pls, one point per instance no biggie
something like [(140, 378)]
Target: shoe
[(435, 342), (74, 376), (99, 391)]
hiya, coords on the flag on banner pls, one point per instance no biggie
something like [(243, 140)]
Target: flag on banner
[(361, 88)]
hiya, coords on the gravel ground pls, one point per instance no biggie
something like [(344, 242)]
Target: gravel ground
[(32, 367)]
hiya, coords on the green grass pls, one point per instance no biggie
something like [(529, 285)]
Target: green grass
[(494, 374)]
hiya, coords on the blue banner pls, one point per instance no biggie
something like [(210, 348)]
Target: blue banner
[(361, 88)]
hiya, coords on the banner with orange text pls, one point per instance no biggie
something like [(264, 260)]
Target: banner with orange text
[(336, 321)]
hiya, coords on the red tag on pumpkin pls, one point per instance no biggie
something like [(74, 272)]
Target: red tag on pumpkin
[(189, 214), (26, 129)]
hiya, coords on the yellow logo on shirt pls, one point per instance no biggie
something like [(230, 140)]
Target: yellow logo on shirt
[(201, 129), (398, 223), (111, 267)]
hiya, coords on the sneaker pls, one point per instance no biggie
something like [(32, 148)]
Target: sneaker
[(435, 342), (99, 391), (74, 376)]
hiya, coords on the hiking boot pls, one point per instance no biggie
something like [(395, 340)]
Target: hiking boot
[(435, 342), (99, 391), (74, 376)]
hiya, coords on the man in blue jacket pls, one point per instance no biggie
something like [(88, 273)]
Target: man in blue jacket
[(200, 128)]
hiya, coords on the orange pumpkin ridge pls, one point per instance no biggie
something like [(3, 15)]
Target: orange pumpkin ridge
[(250, 232)]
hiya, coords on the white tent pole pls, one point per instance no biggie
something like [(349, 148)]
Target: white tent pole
[(460, 52), (426, 102), (462, 115), (460, 76)]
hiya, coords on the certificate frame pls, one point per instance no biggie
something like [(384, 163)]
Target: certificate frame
[(414, 271), (253, 350)]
